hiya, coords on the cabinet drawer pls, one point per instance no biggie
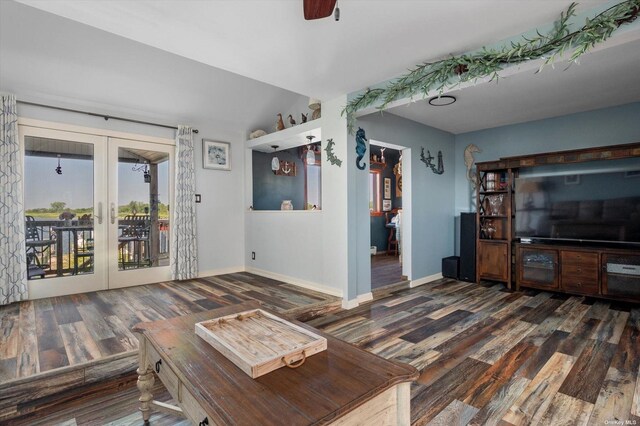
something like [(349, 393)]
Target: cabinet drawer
[(576, 285), (163, 371), (192, 409), (579, 258), (579, 272)]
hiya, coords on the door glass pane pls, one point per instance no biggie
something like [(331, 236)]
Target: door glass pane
[(143, 209), (58, 207)]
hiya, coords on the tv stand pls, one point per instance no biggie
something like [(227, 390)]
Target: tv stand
[(580, 270), (574, 267)]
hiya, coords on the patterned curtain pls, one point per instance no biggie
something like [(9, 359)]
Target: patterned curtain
[(13, 256), (184, 262)]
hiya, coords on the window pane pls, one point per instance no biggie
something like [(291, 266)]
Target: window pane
[(58, 207), (143, 209)]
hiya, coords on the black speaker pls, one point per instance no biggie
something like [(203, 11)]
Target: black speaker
[(450, 266), (467, 247)]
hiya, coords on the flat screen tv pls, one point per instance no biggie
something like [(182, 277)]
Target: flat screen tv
[(594, 207)]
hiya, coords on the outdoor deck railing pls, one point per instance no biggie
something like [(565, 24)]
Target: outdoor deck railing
[(73, 241)]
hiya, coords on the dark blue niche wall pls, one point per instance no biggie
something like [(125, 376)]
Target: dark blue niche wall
[(269, 190), (379, 233)]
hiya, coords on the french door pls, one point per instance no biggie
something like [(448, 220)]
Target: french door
[(139, 193), (97, 209)]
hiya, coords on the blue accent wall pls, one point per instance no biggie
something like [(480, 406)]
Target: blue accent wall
[(608, 126), (431, 202), (269, 189)]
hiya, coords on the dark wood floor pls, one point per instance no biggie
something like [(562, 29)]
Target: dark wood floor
[(385, 270), (43, 335), (486, 356)]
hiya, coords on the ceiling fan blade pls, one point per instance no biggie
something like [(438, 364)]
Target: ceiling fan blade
[(317, 9)]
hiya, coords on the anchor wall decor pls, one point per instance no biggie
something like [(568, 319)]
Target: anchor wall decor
[(428, 161)]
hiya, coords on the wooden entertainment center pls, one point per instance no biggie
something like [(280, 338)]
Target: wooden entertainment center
[(575, 268)]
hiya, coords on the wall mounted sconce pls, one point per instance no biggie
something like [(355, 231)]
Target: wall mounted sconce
[(428, 161), (275, 162)]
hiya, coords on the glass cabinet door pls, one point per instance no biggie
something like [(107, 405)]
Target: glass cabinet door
[(538, 267)]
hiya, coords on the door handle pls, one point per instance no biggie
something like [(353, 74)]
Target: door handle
[(99, 215), (113, 213)]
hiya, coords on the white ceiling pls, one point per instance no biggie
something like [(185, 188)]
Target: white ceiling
[(375, 40), (269, 40)]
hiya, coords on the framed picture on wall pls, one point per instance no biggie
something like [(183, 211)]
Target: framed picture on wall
[(387, 187), (216, 155), (386, 205)]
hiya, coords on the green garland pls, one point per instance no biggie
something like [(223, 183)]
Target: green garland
[(450, 72)]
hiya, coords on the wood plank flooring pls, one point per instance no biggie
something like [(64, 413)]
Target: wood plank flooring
[(491, 357), (43, 335), (486, 356), (385, 270)]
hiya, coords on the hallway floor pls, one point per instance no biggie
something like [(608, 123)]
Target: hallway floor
[(385, 270)]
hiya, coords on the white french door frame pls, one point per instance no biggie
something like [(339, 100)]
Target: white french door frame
[(130, 277), (56, 286), (105, 275)]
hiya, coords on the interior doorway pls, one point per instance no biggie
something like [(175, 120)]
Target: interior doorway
[(387, 214)]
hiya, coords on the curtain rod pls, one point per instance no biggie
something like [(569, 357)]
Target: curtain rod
[(106, 117)]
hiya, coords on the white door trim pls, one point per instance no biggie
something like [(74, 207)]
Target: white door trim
[(31, 122)]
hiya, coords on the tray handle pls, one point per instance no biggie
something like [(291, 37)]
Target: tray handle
[(297, 363)]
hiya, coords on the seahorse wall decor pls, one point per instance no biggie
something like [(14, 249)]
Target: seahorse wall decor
[(331, 157), (469, 161), (361, 147)]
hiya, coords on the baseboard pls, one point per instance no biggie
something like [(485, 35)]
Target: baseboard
[(295, 281), (354, 303), (350, 304), (424, 280), (363, 298), (221, 271)]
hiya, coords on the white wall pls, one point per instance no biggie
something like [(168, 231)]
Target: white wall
[(338, 247), (288, 246), (48, 59), (301, 247)]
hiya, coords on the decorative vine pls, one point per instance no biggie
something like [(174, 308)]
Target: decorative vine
[(451, 72), (330, 155)]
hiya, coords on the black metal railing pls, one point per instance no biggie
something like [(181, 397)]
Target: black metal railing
[(62, 248)]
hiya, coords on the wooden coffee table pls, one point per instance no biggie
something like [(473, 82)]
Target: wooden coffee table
[(343, 385)]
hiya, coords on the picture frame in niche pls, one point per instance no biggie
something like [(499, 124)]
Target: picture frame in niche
[(216, 155), (387, 187), (386, 205), (572, 180)]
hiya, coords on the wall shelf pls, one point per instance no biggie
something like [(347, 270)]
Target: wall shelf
[(290, 137)]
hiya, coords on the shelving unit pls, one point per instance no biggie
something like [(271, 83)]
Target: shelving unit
[(575, 269), (288, 138), (494, 222)]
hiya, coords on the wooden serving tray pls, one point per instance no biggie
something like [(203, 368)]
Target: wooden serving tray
[(259, 342)]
